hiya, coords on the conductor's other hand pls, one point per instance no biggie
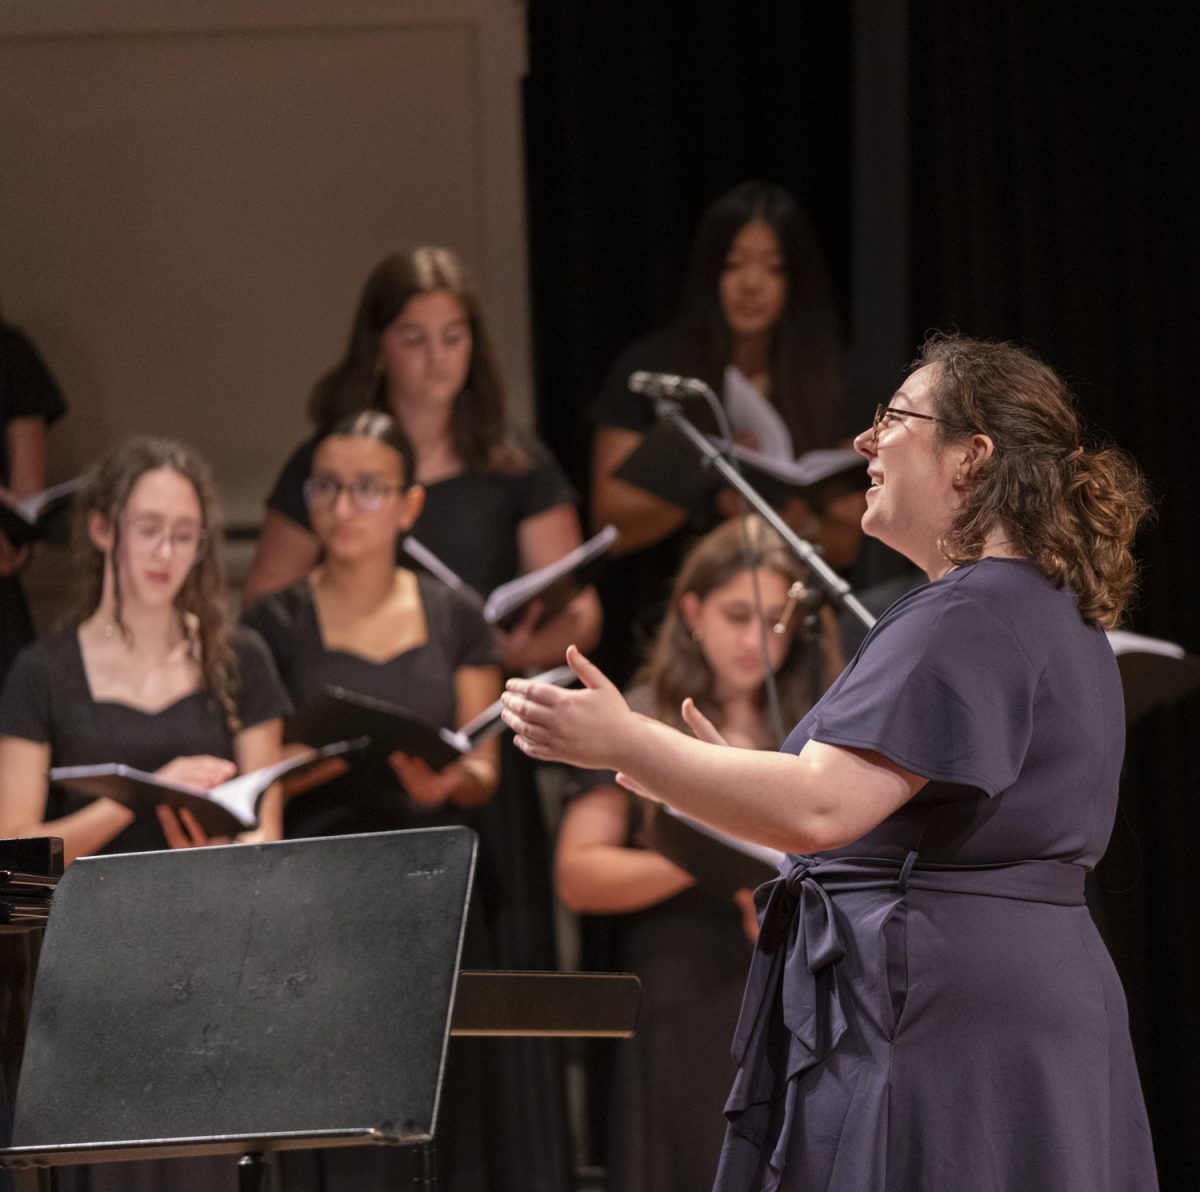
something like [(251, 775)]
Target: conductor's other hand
[(584, 728), (702, 728)]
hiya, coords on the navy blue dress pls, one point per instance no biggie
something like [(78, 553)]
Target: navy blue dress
[(932, 1007)]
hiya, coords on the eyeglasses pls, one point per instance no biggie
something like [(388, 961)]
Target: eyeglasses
[(884, 415), (150, 533), (367, 493)]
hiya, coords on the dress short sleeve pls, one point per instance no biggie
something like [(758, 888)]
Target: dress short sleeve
[(472, 640), (615, 405), (25, 700), (941, 687), (287, 497), (27, 390), (545, 485), (260, 694)]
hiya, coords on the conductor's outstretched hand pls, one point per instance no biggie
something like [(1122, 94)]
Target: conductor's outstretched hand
[(590, 728)]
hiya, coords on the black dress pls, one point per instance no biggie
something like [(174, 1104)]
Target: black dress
[(471, 522), (27, 390), (667, 1085), (476, 1152), (47, 699), (932, 1007), (370, 798)]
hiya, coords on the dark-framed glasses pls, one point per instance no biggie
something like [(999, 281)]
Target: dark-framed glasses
[(150, 534), (367, 493), (885, 414)]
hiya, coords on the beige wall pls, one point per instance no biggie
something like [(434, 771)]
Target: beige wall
[(191, 197)]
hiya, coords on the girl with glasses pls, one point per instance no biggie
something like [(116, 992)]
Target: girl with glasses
[(149, 674), (364, 624), (496, 503), (930, 1005)]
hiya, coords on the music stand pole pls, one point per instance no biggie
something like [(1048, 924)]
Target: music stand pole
[(836, 588)]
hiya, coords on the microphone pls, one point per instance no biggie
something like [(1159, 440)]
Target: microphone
[(659, 385)]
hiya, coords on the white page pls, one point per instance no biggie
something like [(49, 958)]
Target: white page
[(752, 414)]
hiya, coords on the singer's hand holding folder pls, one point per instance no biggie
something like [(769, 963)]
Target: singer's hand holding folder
[(223, 810), (391, 728)]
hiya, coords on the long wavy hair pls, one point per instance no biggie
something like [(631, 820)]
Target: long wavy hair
[(806, 354), (479, 425), (676, 666), (1071, 508), (200, 602)]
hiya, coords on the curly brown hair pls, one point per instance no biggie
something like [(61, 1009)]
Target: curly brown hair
[(479, 426), (201, 600), (676, 666), (1072, 509)]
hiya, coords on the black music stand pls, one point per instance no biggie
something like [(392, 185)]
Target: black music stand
[(245, 1000)]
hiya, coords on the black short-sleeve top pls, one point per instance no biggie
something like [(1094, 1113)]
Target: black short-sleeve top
[(470, 521), (47, 699), (989, 683), (27, 390), (422, 678)]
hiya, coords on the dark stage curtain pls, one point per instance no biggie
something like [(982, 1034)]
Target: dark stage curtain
[(638, 115), (1050, 203), (1049, 149)]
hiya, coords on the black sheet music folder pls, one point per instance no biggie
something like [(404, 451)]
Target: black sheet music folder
[(237, 1000)]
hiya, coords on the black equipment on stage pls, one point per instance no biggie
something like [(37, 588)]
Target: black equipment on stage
[(293, 995)]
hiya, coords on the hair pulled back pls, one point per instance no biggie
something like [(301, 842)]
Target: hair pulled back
[(676, 666), (382, 428), (200, 602), (478, 425), (1072, 509)]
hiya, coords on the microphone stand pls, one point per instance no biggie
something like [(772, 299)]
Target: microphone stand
[(836, 588)]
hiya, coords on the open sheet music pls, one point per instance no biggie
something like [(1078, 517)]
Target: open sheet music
[(391, 728), (554, 585), (222, 810)]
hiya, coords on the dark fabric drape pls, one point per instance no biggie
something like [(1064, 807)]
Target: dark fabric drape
[(1050, 203), (1049, 149), (637, 116)]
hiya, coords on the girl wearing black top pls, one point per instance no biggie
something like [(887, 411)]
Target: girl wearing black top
[(149, 675), (496, 505)]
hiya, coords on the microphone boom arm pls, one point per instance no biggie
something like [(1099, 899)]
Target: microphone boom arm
[(838, 591)]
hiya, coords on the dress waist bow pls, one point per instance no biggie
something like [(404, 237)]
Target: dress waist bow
[(795, 963)]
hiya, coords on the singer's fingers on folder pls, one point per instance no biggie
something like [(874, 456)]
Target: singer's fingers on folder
[(200, 770)]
